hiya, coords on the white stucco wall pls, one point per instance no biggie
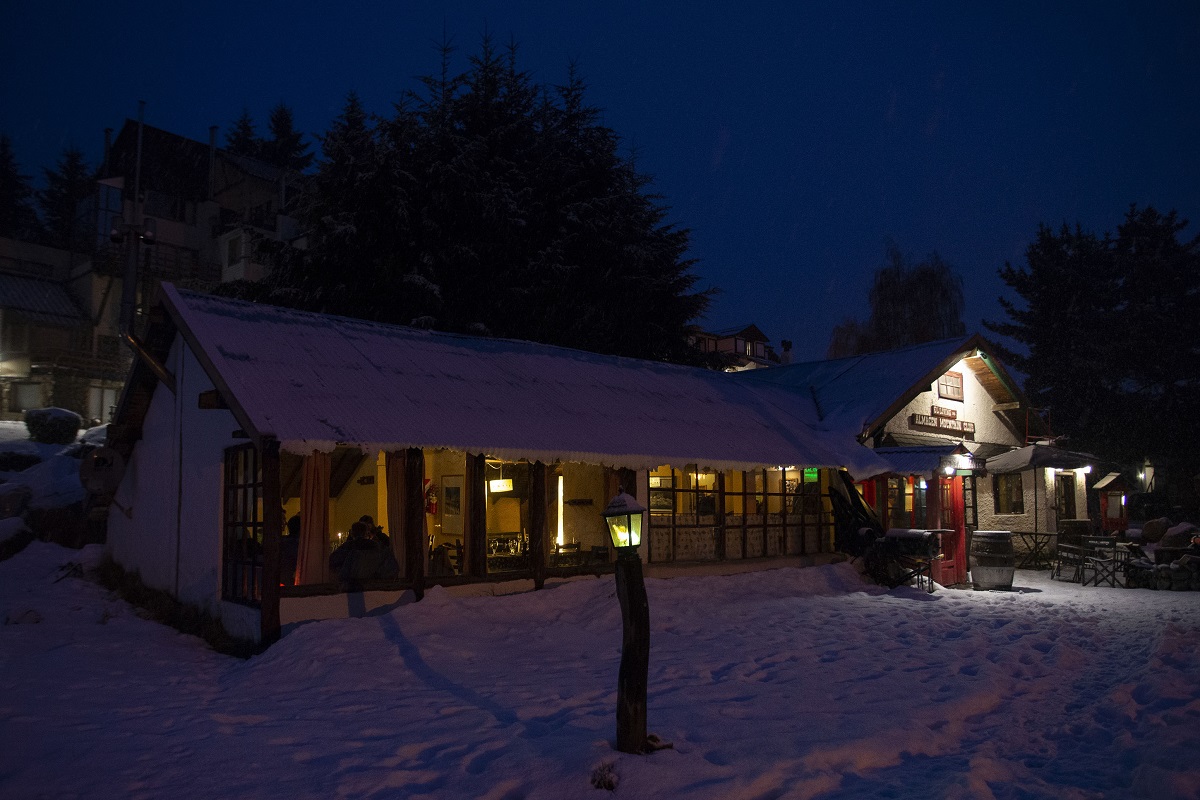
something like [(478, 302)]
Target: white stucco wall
[(172, 537), (991, 427), (1043, 482), (977, 406)]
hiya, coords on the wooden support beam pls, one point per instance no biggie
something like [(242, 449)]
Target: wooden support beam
[(414, 519), (720, 529), (475, 524), (537, 522), (272, 505)]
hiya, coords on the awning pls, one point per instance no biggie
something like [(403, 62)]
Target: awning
[(1039, 455), (926, 461)]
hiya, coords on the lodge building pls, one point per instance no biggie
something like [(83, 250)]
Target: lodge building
[(492, 459)]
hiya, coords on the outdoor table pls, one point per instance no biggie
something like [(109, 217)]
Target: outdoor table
[(1037, 545)]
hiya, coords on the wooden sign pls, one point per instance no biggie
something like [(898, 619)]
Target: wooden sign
[(938, 424), (945, 413)]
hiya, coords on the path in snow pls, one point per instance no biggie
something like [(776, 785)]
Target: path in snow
[(788, 683)]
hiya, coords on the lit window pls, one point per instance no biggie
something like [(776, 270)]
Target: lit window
[(1008, 493), (950, 386)]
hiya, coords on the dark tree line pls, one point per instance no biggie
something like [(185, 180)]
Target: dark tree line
[(1109, 333), (910, 304), (488, 203), (285, 147)]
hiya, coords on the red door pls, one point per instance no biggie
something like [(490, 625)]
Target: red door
[(952, 567)]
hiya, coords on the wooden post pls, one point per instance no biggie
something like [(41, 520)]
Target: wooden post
[(414, 518), (537, 523), (272, 540), (720, 513), (635, 653), (475, 524)]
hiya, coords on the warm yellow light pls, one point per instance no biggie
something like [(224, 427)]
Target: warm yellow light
[(561, 538), (500, 485), (624, 518)]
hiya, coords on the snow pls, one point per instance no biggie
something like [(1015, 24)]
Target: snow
[(789, 683), (14, 438), (54, 482), (316, 381), (10, 527)]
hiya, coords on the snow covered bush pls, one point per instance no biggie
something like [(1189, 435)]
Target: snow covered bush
[(53, 425)]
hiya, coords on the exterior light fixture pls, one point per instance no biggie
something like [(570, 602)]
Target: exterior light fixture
[(623, 515), (624, 518)]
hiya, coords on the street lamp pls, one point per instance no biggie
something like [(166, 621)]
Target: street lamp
[(623, 516)]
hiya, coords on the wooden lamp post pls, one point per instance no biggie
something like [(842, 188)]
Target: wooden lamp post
[(624, 518)]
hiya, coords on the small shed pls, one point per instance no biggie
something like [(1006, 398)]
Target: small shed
[(1113, 490)]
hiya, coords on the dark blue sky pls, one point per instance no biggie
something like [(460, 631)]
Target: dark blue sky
[(794, 142)]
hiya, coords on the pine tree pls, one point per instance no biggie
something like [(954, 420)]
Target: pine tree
[(18, 219), (489, 204), (242, 140), (67, 186), (286, 148), (1108, 329)]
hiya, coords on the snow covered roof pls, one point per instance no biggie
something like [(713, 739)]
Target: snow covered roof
[(916, 460), (38, 300), (315, 381), (855, 394), (1039, 455)]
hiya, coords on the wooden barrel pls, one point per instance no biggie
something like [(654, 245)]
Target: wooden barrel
[(992, 559)]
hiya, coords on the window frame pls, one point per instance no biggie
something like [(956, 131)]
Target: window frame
[(1003, 490), (948, 389)]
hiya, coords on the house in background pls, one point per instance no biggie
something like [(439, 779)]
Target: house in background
[(212, 211), (241, 415), (743, 347), (44, 336)]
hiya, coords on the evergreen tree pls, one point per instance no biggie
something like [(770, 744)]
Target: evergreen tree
[(1109, 335), (242, 140), (286, 148), (18, 219), (910, 304), (67, 186), (489, 204)]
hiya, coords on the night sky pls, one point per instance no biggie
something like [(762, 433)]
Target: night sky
[(795, 143)]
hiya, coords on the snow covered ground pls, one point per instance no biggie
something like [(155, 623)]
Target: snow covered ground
[(781, 684)]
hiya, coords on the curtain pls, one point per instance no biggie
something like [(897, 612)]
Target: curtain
[(312, 563)]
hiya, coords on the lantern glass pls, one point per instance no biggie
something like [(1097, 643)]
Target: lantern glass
[(624, 518)]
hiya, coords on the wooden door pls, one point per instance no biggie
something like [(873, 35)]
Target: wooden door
[(952, 567)]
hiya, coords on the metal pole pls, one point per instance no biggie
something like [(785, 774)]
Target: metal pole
[(132, 237)]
